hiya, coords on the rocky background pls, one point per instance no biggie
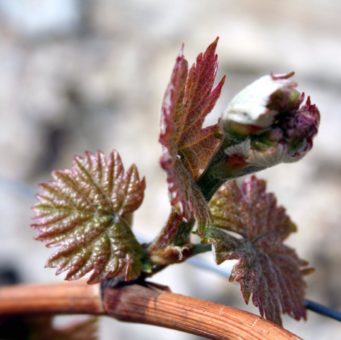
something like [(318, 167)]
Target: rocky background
[(81, 75)]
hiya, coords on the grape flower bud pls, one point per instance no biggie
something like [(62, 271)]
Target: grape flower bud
[(268, 123)]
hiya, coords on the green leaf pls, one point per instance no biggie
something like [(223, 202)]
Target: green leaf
[(86, 212), (187, 146), (267, 270)]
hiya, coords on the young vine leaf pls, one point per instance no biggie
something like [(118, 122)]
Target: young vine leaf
[(268, 270), (187, 146), (86, 212)]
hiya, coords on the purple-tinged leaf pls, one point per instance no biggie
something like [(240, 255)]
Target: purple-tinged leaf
[(86, 212), (267, 270), (187, 146)]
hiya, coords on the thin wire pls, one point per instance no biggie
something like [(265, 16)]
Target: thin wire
[(323, 310), (311, 305)]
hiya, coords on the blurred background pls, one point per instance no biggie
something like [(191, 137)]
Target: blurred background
[(81, 75)]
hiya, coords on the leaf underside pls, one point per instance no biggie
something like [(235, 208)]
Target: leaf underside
[(86, 212), (187, 146), (267, 270)]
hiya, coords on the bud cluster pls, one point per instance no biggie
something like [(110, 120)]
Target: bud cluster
[(268, 123)]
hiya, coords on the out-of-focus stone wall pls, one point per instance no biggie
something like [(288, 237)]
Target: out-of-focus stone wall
[(77, 75)]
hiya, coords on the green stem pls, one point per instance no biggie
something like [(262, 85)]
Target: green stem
[(222, 168), (209, 184), (200, 248), (212, 178)]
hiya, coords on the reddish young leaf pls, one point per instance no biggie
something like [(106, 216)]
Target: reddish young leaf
[(267, 269), (187, 146), (87, 212)]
